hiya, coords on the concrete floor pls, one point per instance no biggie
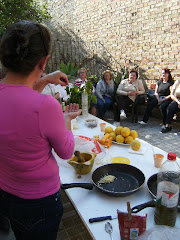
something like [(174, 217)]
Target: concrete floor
[(72, 227)]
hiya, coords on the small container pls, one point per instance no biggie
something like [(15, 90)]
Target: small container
[(158, 158), (91, 123), (83, 168), (102, 126)]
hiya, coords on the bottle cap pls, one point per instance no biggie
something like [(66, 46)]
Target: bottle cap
[(171, 156)]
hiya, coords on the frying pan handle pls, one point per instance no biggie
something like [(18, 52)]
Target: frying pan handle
[(88, 186), (140, 207), (99, 219)]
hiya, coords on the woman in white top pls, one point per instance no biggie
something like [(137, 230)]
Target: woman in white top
[(173, 106), (127, 91), (55, 90)]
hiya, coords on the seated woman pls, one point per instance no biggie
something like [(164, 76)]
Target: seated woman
[(55, 90), (127, 91), (82, 73), (80, 82), (172, 107), (162, 97), (104, 92)]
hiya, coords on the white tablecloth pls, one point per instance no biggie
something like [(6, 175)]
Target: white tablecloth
[(93, 203)]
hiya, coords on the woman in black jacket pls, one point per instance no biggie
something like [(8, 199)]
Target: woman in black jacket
[(161, 97)]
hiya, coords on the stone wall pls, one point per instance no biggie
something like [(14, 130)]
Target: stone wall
[(144, 33)]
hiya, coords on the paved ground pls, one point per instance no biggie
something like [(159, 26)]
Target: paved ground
[(72, 227)]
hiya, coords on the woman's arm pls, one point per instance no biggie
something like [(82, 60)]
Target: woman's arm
[(173, 97), (120, 90), (98, 90), (156, 92), (141, 89), (54, 78), (52, 125)]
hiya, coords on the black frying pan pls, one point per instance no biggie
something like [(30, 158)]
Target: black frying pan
[(128, 180), (152, 188)]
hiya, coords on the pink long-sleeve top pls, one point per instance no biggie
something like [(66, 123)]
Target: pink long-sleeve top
[(31, 124)]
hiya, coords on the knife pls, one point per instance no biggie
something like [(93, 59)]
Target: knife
[(99, 219)]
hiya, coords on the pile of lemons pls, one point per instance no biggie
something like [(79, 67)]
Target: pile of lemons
[(124, 135)]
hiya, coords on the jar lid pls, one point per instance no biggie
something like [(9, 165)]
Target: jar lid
[(171, 156)]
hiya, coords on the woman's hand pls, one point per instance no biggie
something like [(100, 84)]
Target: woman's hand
[(132, 93), (56, 77), (103, 100), (108, 82), (71, 112)]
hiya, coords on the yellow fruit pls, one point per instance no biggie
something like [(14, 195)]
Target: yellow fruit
[(119, 139), (121, 160), (113, 135), (125, 132), (135, 145), (128, 140), (134, 134), (118, 130), (108, 129)]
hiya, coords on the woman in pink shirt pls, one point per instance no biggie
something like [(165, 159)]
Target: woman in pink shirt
[(31, 124)]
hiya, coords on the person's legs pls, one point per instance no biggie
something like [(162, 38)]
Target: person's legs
[(140, 100), (93, 110), (93, 106), (101, 107), (107, 102), (4, 221), (34, 219), (122, 103), (171, 110), (151, 104), (163, 107)]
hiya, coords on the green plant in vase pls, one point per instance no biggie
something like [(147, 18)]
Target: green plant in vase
[(70, 70), (94, 79), (76, 94)]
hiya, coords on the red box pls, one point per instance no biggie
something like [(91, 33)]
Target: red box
[(130, 229)]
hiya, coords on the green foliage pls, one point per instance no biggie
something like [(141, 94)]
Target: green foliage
[(12, 11), (120, 76), (94, 79), (70, 70), (76, 94)]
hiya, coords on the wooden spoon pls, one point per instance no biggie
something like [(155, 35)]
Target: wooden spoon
[(79, 157)]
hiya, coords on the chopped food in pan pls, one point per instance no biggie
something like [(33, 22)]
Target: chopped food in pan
[(107, 179)]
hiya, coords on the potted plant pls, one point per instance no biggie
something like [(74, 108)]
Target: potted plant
[(76, 94)]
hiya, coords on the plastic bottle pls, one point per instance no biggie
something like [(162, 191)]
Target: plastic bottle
[(84, 104), (168, 181)]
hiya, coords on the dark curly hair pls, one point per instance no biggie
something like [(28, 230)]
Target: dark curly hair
[(170, 78), (23, 45), (134, 70)]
